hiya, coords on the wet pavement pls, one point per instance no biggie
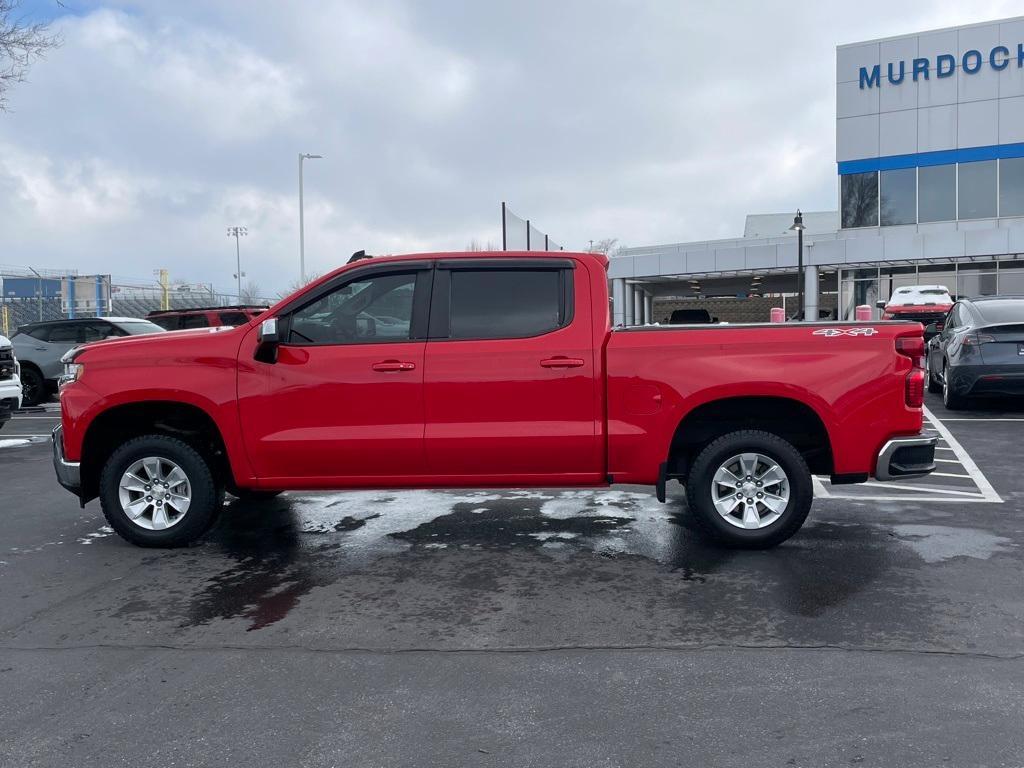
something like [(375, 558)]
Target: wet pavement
[(565, 628)]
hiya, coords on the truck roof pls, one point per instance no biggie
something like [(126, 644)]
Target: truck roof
[(600, 258)]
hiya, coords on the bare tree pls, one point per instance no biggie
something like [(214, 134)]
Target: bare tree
[(251, 293), (475, 245), (295, 285), (21, 43), (609, 246)]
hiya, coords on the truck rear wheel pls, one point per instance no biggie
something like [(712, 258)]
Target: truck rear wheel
[(750, 489), (157, 491)]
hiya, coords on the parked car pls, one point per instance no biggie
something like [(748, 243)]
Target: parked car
[(10, 381), (979, 351), (690, 317), (205, 317), (40, 346), (925, 304), (495, 369)]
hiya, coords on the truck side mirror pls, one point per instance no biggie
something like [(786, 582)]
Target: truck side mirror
[(930, 330), (881, 303), (266, 350), (268, 331)]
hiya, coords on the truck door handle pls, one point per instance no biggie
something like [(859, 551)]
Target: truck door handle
[(393, 365), (562, 362)]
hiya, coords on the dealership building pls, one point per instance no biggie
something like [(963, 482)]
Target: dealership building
[(930, 190)]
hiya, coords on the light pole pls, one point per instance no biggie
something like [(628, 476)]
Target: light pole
[(39, 293), (237, 232), (798, 225), (302, 231)]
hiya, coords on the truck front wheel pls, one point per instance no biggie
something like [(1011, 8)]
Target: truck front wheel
[(157, 491), (750, 489)]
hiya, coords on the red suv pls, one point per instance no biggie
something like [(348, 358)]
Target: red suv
[(205, 317)]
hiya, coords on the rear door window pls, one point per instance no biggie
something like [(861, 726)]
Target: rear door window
[(194, 321), (41, 333), (234, 318), (502, 303), (97, 331), (167, 322), (66, 333)]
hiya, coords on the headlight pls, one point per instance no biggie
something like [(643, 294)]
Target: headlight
[(72, 372)]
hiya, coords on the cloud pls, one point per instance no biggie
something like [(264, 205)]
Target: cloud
[(161, 122)]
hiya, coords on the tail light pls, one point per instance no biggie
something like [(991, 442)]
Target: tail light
[(913, 347), (977, 339), (915, 388)]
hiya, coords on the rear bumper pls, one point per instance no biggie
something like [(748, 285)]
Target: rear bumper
[(987, 380), (905, 457), (69, 473)]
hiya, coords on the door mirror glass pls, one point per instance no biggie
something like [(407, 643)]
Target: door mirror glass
[(268, 331)]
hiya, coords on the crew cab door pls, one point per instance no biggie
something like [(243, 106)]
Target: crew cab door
[(510, 389), (342, 404)]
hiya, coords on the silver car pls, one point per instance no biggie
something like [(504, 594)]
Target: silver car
[(40, 346)]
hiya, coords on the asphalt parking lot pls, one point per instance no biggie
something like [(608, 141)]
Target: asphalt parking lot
[(529, 628)]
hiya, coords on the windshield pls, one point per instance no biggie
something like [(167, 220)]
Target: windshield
[(139, 327), (933, 294)]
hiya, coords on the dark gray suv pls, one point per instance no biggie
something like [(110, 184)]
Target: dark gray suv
[(979, 350), (40, 346)]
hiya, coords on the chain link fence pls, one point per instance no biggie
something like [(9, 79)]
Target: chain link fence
[(32, 296)]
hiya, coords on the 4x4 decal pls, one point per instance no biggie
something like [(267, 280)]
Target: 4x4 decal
[(830, 332)]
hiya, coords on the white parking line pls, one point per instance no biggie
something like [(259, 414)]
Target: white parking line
[(920, 489), (984, 493), (972, 469), (984, 419)]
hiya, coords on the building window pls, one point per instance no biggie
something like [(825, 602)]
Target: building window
[(1011, 187), (898, 197), (977, 190), (936, 193), (859, 192)]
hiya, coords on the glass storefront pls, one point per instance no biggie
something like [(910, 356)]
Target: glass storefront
[(985, 189), (965, 278)]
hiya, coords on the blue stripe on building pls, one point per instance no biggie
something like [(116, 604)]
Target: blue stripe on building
[(942, 157)]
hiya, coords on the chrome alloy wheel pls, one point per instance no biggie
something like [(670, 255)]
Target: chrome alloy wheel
[(750, 490), (155, 493)]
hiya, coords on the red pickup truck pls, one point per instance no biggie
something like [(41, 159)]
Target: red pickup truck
[(486, 370)]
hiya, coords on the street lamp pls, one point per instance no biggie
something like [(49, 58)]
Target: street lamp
[(302, 233), (237, 232), (798, 225)]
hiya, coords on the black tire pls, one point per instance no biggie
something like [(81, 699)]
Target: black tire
[(207, 492), (951, 399), (702, 473), (933, 385), (33, 387)]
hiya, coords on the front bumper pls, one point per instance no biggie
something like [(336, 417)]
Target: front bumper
[(69, 473), (906, 457)]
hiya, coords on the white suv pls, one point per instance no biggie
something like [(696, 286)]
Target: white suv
[(10, 381)]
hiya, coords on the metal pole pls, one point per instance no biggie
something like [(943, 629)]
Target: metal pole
[(238, 266), (504, 233), (800, 274), (39, 293), (527, 234), (302, 232)]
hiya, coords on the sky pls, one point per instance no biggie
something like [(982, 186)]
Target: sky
[(159, 123)]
